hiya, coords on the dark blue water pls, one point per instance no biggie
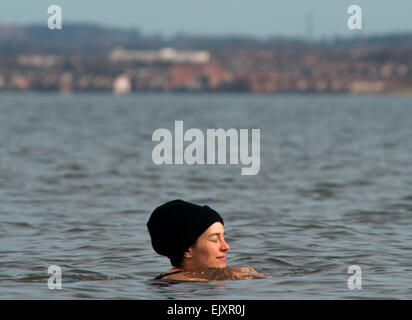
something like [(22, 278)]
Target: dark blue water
[(77, 185)]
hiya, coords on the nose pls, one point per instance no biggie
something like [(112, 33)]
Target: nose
[(225, 246)]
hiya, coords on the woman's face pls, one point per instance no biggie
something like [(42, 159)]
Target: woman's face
[(210, 249)]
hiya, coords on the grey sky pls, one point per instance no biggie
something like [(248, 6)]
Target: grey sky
[(217, 17)]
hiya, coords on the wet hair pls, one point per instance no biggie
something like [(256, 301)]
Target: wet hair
[(176, 260)]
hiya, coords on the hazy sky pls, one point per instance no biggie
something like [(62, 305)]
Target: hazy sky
[(217, 17)]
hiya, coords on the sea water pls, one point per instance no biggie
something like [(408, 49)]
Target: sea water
[(78, 184)]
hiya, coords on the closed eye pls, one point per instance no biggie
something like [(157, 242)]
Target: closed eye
[(216, 236)]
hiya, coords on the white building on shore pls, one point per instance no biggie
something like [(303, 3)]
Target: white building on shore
[(122, 85), (164, 55)]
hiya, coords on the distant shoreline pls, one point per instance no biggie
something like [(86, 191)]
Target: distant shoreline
[(281, 93)]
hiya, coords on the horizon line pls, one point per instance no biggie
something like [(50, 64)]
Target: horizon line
[(300, 37)]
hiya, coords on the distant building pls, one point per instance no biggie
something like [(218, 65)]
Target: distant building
[(39, 61), (19, 82), (122, 84), (65, 82), (367, 86), (160, 56)]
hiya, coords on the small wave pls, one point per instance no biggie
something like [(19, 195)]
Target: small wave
[(278, 261), (76, 230), (75, 176), (70, 167), (69, 276), (328, 185), (33, 278), (360, 183), (20, 224), (407, 198), (375, 216), (399, 206), (333, 235), (317, 193), (296, 271)]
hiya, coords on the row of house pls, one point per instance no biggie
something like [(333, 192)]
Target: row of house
[(123, 71)]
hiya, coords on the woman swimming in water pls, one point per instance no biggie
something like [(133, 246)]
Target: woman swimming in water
[(193, 238)]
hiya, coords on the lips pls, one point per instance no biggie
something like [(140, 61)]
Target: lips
[(222, 258)]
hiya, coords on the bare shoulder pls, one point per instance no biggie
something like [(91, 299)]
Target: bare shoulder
[(180, 275), (248, 273), (213, 274), (185, 276)]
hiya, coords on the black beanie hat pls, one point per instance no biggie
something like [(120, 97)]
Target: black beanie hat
[(176, 225)]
